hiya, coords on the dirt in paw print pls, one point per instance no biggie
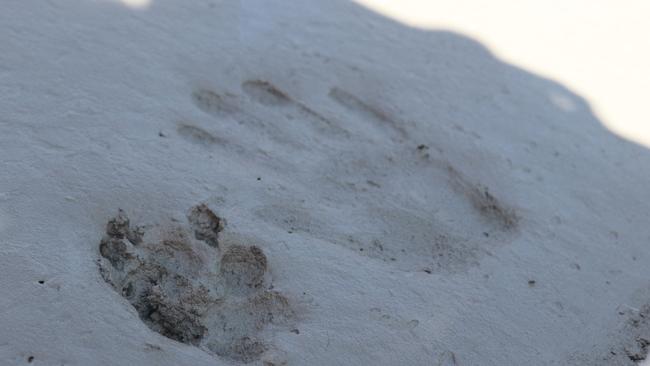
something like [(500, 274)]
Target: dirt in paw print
[(187, 287), (243, 268)]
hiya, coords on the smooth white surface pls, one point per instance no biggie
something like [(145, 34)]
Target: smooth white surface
[(92, 94)]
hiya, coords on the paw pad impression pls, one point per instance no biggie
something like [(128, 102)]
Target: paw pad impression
[(187, 288)]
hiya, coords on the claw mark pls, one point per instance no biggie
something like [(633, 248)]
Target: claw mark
[(265, 93), (198, 135), (488, 205), (213, 103), (268, 94), (353, 103)]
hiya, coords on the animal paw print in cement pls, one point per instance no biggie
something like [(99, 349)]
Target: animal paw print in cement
[(187, 288)]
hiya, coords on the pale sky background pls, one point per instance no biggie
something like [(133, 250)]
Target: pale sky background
[(598, 48)]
